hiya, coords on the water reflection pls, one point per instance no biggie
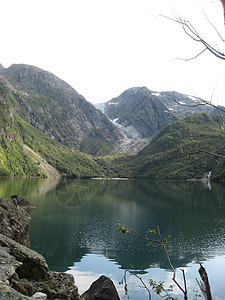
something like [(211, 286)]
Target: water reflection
[(74, 219)]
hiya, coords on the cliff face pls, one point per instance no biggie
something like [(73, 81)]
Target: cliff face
[(53, 106)]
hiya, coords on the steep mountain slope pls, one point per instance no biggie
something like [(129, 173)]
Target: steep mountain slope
[(141, 112), (167, 155), (25, 150), (54, 107), (13, 160), (183, 105)]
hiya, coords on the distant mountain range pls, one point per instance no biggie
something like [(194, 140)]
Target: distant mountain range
[(43, 120)]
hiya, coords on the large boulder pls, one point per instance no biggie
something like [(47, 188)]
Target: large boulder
[(102, 289)]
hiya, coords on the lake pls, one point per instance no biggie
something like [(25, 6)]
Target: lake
[(74, 228)]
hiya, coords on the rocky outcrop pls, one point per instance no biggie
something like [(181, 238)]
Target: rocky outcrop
[(15, 221), (24, 274), (27, 272), (102, 289)]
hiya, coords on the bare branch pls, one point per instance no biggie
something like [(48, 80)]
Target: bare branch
[(194, 57), (220, 36), (190, 30), (200, 102), (171, 265)]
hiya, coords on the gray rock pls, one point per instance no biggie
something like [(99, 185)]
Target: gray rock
[(39, 296), (24, 272), (28, 273), (22, 202), (14, 221), (102, 289)]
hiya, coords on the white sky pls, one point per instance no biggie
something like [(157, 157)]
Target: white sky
[(103, 47)]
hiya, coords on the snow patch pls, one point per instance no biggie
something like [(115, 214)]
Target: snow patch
[(193, 98), (156, 94), (115, 120), (112, 103)]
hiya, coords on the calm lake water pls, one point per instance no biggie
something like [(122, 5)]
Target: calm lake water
[(74, 228)]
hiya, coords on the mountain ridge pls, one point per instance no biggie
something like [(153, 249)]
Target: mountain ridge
[(141, 113), (54, 107)]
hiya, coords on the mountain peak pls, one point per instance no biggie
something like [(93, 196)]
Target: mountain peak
[(1, 67)]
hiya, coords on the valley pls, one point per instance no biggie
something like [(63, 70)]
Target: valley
[(139, 134)]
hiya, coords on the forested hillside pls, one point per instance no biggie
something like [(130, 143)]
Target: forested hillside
[(14, 160), (174, 152), (54, 107)]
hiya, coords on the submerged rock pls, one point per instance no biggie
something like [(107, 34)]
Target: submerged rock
[(102, 289)]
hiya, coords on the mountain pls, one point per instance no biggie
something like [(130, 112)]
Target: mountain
[(26, 151), (173, 152), (40, 114), (54, 107), (141, 112), (13, 160), (182, 105)]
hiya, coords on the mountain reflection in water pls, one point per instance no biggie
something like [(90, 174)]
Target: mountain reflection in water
[(75, 221)]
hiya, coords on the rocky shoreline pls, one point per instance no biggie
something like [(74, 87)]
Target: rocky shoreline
[(24, 274)]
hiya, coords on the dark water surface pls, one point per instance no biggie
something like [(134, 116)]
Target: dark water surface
[(74, 228)]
